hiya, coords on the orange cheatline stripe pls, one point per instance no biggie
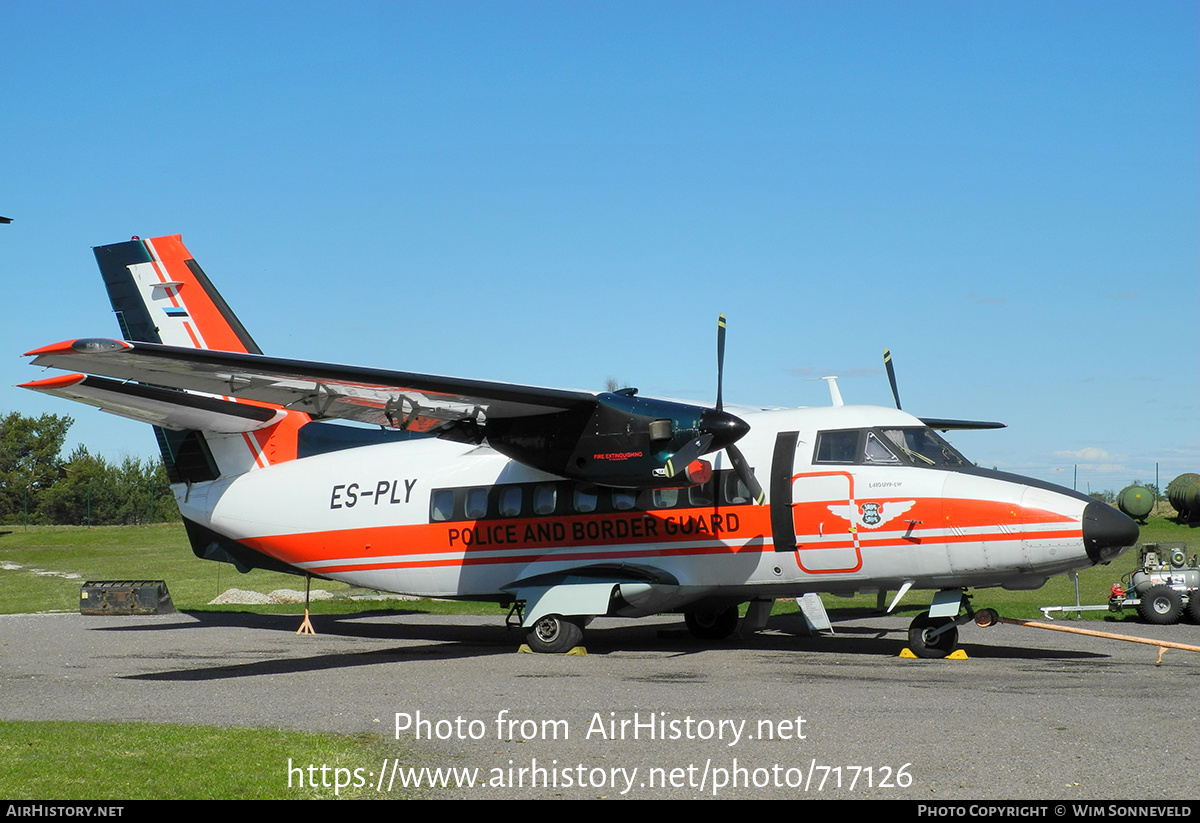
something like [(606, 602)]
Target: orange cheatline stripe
[(528, 558), (416, 540)]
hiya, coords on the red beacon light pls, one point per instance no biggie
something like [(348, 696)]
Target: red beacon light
[(699, 472)]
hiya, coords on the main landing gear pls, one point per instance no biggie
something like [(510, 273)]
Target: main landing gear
[(712, 625), (555, 634), (934, 634), (558, 634)]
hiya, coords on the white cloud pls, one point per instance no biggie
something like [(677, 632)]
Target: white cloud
[(1089, 454)]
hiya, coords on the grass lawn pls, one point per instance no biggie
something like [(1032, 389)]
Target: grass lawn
[(149, 761), (46, 556)]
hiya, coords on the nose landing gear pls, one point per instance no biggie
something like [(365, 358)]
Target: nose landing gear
[(932, 637), (934, 634)]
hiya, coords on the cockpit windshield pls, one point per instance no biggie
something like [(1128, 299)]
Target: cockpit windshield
[(915, 446), (924, 447)]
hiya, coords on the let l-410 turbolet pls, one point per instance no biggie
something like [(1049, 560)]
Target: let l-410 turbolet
[(567, 504)]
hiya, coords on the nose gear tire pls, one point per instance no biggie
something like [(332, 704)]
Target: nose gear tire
[(931, 648)]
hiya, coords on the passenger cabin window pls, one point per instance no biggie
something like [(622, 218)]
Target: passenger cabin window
[(624, 500), (585, 500), (735, 490), (701, 495), (545, 497), (441, 505), (665, 498), (565, 497), (510, 501), (477, 500)]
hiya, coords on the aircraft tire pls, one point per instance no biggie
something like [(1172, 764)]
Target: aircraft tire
[(1194, 606), (555, 634), (1161, 605), (712, 625), (940, 646)]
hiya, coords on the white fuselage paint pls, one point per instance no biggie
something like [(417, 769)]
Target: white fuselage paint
[(363, 516)]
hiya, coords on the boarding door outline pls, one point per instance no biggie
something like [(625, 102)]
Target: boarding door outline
[(802, 520)]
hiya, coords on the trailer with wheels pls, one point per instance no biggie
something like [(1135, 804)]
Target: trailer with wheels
[(1164, 587)]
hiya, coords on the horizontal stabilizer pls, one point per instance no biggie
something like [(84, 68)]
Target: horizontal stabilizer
[(177, 410)]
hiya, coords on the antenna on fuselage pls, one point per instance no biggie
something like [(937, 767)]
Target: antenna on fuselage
[(835, 396)]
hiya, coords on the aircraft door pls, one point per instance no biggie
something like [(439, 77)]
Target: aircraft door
[(783, 530), (804, 513)]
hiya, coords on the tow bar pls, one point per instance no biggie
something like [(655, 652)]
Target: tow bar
[(989, 617)]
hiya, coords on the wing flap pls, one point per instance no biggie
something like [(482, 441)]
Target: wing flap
[(177, 410)]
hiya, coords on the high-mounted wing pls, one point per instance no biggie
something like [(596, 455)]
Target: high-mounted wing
[(189, 364), (323, 390), (611, 438)]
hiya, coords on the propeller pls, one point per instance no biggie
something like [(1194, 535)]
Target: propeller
[(891, 370), (939, 423), (684, 457), (740, 465), (721, 426)]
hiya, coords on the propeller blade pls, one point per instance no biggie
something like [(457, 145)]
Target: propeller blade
[(891, 370), (720, 358), (690, 451), (746, 474)]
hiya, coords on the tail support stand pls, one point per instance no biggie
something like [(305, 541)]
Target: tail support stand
[(306, 626)]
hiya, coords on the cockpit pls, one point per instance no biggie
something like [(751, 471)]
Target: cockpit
[(910, 446)]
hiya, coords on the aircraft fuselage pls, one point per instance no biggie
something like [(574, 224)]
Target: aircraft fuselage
[(445, 519)]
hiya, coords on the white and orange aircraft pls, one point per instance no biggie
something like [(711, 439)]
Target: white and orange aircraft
[(566, 504)]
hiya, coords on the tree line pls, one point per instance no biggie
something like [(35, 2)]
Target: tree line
[(39, 485)]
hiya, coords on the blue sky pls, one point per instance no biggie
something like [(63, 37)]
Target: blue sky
[(1006, 194)]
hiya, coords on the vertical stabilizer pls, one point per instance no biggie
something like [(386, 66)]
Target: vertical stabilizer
[(161, 295)]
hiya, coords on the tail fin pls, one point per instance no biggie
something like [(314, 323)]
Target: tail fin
[(161, 295)]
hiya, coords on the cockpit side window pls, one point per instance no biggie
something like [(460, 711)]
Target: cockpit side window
[(875, 453), (837, 447)]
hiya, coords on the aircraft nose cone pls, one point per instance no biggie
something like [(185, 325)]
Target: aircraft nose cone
[(1106, 531), (725, 428)]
